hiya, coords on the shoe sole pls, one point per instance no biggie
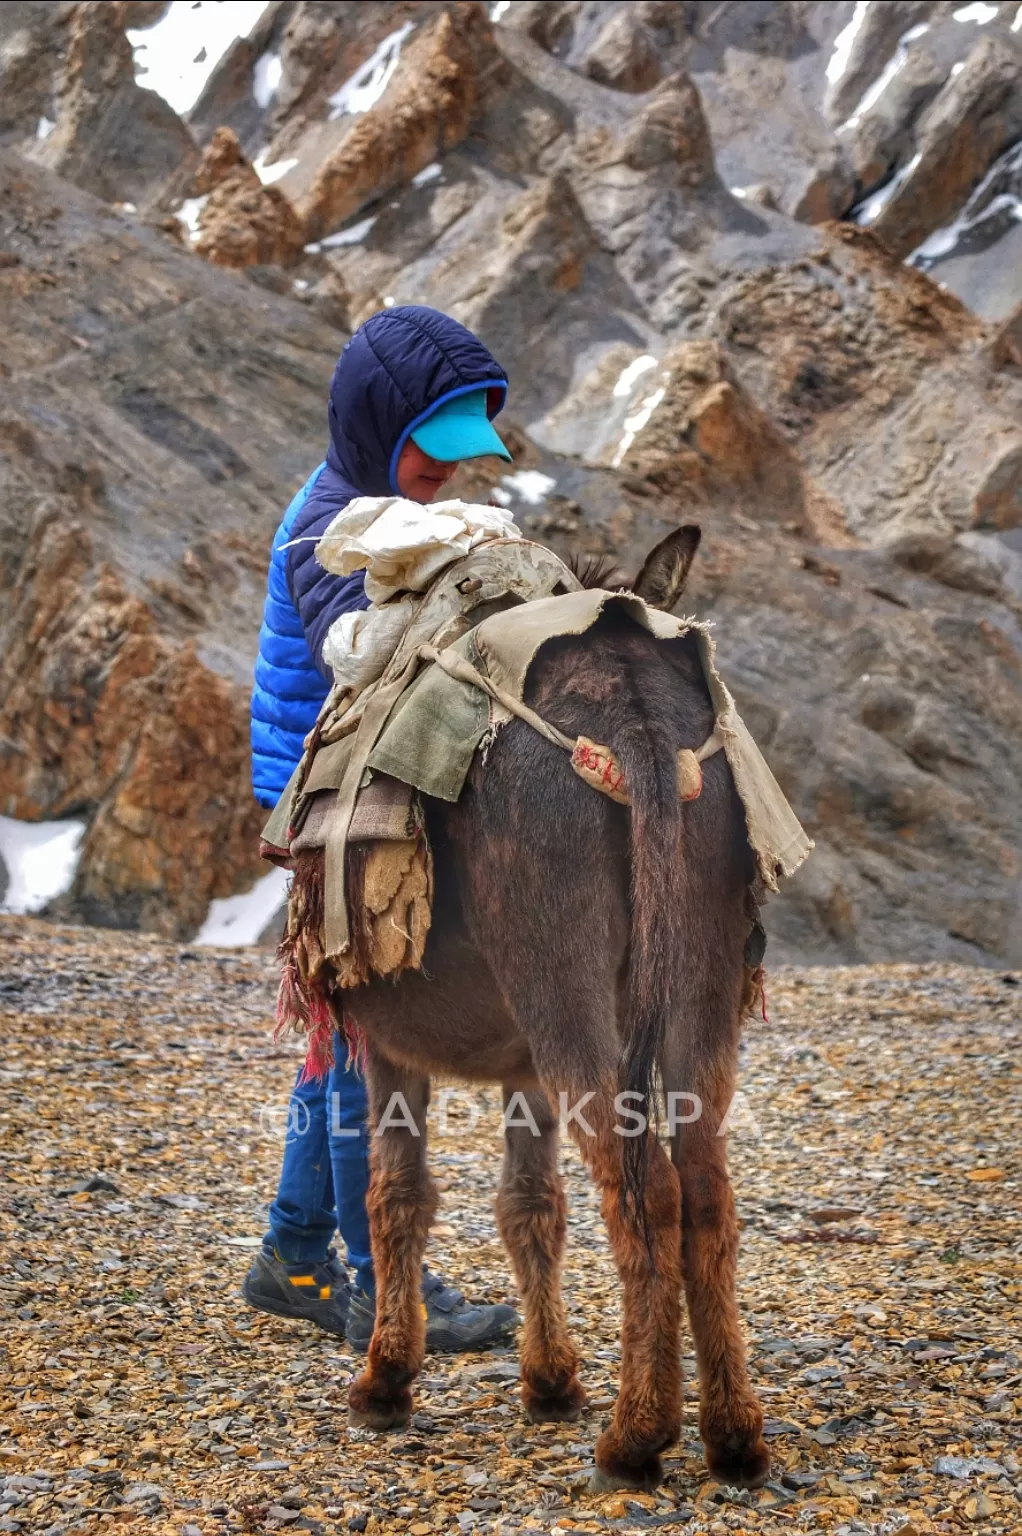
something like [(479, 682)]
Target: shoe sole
[(281, 1309), (447, 1344)]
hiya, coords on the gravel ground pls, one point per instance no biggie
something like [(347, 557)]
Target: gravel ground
[(875, 1152)]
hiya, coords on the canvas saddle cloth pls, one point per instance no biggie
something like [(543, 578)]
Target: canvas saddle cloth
[(458, 675)]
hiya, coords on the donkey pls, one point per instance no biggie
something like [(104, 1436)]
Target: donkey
[(578, 948)]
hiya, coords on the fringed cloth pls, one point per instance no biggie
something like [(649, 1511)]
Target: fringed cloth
[(308, 998)]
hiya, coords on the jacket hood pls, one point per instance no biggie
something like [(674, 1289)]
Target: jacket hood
[(393, 373)]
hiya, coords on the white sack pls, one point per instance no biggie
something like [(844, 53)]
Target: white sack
[(402, 545), (359, 645)]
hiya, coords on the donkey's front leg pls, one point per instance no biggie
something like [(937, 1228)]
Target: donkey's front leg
[(401, 1203)]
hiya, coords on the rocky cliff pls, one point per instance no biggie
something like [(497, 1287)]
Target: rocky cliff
[(755, 265)]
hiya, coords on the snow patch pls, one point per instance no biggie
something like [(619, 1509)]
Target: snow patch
[(40, 858), (498, 8), (530, 486), (176, 57), (1016, 25), (501, 497), (364, 88), (189, 212), (44, 128), (353, 236), (636, 368), (268, 174), (842, 51), (388, 301), (871, 207), (429, 173), (983, 206), (634, 424), (266, 77), (979, 13), (238, 920), (894, 66), (943, 241)]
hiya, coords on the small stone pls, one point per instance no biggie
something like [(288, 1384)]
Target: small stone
[(143, 1493), (965, 1466), (799, 1480)]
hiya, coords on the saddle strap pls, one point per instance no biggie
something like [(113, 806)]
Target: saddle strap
[(595, 764)]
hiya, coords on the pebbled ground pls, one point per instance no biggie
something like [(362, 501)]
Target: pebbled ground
[(875, 1152)]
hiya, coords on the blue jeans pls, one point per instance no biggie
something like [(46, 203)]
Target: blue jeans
[(325, 1176)]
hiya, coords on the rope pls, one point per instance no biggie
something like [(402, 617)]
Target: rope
[(463, 671)]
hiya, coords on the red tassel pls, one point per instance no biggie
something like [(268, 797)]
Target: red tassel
[(320, 1030)]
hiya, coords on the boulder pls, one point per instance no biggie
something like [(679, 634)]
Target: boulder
[(112, 137), (880, 381), (881, 137), (623, 55), (1006, 344), (33, 40), (538, 284), (696, 433), (239, 94), (974, 118), (324, 43), (874, 42), (426, 109), (241, 222), (670, 135)]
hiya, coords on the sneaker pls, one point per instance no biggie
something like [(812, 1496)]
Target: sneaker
[(452, 1323), (318, 1293)]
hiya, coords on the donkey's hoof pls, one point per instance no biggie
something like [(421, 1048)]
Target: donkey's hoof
[(740, 1462), (634, 1479), (614, 1470), (371, 1408), (562, 1407)]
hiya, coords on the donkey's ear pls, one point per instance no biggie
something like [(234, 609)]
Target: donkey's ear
[(662, 579)]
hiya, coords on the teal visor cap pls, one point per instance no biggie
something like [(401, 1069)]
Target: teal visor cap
[(460, 429)]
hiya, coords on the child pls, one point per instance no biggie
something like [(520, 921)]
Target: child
[(412, 395)]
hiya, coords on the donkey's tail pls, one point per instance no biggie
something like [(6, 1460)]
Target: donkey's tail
[(648, 756)]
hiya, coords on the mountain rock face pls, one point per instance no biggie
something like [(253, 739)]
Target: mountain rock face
[(156, 416), (111, 136), (684, 230)]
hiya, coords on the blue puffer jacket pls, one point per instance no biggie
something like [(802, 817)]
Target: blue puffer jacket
[(393, 373)]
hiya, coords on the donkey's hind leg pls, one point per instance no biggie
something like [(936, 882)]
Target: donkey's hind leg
[(704, 1063), (646, 1247), (532, 1216), (401, 1203)]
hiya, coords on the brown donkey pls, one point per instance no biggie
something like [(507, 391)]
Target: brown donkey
[(579, 949)]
